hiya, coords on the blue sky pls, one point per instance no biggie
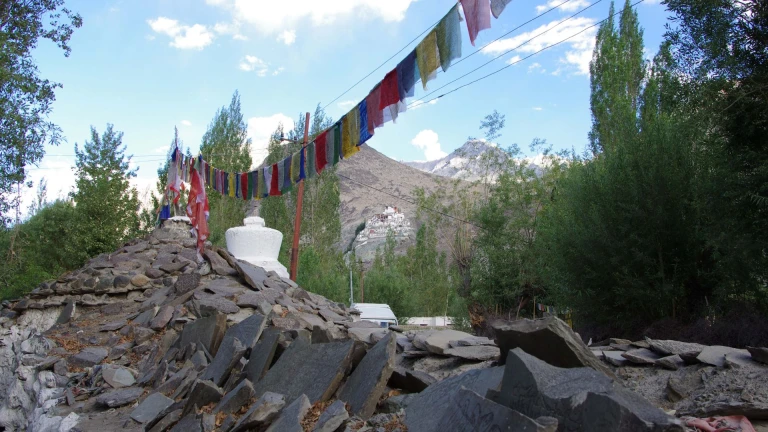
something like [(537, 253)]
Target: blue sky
[(149, 65)]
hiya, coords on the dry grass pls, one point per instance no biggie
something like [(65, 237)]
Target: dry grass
[(313, 415)]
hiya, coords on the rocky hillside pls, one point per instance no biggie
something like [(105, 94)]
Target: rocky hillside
[(147, 339)]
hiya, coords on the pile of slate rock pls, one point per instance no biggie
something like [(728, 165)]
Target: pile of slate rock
[(147, 338)]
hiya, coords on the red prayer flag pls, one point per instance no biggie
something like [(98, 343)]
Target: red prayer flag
[(390, 94), (244, 185), (375, 116), (274, 186), (320, 152)]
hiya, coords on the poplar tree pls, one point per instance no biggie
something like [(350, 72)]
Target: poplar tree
[(226, 146)]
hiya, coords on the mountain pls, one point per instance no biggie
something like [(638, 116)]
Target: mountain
[(371, 181), (463, 163)]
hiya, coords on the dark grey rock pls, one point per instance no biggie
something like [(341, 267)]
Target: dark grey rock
[(615, 358), (120, 397), (473, 353), (142, 334), (549, 339), (199, 360), (151, 407), (247, 332), (162, 318), (186, 283), (117, 377), (60, 368), (67, 313), (331, 418), (471, 412), (291, 417), (369, 380), (146, 317), (202, 394), (262, 355), (227, 288), (671, 362), (218, 264), (582, 399), (409, 380), (221, 304), (314, 370), (173, 267), (104, 285), (261, 413), (287, 323), (759, 354), (235, 399), (253, 275), (671, 347), (641, 356), (190, 423), (121, 281), (165, 423), (435, 402), (738, 358), (154, 273), (436, 341), (207, 332), (88, 357), (114, 325), (715, 355), (471, 341)]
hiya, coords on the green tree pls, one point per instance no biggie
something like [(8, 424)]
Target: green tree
[(226, 146), (107, 206), (25, 97)]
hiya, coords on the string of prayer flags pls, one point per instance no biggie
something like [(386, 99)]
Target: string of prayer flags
[(497, 7), (427, 58), (449, 37), (478, 16)]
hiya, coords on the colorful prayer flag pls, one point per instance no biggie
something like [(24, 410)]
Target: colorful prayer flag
[(285, 174), (362, 122), (375, 116), (478, 16), (274, 185), (310, 162), (449, 37), (321, 150), (427, 58), (296, 161)]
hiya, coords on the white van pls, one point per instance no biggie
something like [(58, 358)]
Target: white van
[(378, 313)]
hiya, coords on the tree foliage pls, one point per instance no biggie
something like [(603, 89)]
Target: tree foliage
[(227, 147), (25, 97)]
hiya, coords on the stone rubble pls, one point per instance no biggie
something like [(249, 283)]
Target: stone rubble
[(148, 339)]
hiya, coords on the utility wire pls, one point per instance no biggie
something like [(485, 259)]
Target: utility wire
[(418, 103), (411, 202)]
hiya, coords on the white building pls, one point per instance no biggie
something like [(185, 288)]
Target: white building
[(379, 225)]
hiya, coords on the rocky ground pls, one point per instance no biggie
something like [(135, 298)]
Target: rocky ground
[(148, 339)]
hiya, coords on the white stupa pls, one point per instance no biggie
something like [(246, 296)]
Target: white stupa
[(256, 244)]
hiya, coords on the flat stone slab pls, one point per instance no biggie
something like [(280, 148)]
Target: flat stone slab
[(739, 358), (88, 357), (437, 341), (117, 377), (151, 407), (759, 354), (435, 402), (671, 347), (471, 412), (206, 331), (549, 339), (120, 397), (262, 412), (218, 264), (291, 416), (262, 355), (221, 304), (226, 288), (314, 370), (715, 355), (364, 334), (247, 332), (202, 394), (581, 399), (472, 341), (253, 276), (332, 418), (113, 326), (410, 380), (641, 356), (367, 383), (615, 358), (474, 353), (671, 362), (162, 318), (235, 399)]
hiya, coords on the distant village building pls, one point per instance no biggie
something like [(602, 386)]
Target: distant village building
[(377, 226)]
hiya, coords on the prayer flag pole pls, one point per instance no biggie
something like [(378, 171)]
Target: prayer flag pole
[(299, 202)]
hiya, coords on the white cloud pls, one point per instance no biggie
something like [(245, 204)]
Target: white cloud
[(186, 123), (162, 149), (251, 63), (571, 6), (232, 28), (278, 71), (538, 108), (580, 46), (196, 36), (533, 67), (428, 142), (513, 59), (287, 37), (347, 104), (276, 16), (260, 129)]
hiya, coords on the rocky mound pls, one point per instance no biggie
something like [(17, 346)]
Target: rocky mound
[(147, 339)]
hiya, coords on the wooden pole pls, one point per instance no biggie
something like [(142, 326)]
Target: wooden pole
[(299, 203)]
